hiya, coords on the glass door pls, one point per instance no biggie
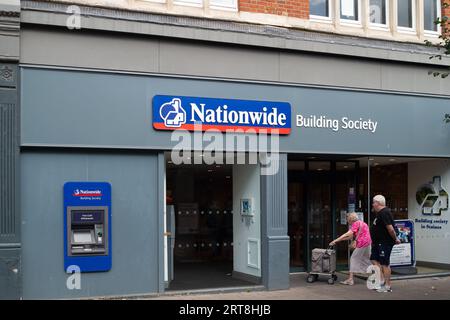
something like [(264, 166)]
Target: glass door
[(346, 196), (319, 206), (296, 216)]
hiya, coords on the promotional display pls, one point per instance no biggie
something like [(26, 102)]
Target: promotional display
[(87, 226), (402, 254)]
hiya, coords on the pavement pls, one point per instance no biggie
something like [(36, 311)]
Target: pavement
[(433, 288)]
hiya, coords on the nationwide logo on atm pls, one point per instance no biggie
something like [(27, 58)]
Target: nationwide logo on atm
[(87, 193), (178, 112)]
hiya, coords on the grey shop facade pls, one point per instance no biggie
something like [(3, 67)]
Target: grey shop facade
[(169, 221)]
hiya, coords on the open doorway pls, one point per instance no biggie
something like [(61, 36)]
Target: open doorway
[(199, 222)]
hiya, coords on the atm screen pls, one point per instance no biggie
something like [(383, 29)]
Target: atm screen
[(80, 237), (87, 216)]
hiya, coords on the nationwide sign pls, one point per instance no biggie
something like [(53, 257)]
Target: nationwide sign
[(178, 112)]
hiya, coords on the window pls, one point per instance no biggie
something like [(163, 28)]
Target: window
[(223, 4), (430, 12), (378, 12), (319, 8), (350, 10), (405, 13), (194, 3)]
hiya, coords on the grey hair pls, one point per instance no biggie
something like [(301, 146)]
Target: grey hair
[(380, 199), (352, 216)]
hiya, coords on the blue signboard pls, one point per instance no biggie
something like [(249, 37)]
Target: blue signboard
[(403, 254), (178, 112), (87, 226)]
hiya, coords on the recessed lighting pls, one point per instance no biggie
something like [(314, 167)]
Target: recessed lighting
[(392, 160), (312, 158), (320, 169), (345, 167)]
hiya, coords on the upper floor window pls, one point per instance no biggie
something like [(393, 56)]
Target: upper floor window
[(350, 10), (406, 14), (431, 10), (194, 3), (223, 4), (319, 8), (378, 12)]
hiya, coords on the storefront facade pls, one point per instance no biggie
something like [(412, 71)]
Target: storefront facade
[(86, 114)]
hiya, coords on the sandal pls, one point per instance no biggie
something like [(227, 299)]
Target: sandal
[(347, 282)]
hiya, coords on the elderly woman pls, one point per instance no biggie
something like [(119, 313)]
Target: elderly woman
[(360, 259)]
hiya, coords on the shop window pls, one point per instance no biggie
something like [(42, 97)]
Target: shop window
[(350, 10), (430, 14), (345, 166), (296, 165), (319, 166), (378, 12), (405, 13), (320, 9)]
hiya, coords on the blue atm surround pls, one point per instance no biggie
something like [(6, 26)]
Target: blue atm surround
[(87, 206)]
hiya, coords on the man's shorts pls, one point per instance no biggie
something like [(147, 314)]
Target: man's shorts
[(381, 252)]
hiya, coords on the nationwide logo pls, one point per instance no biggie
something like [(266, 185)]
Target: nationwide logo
[(173, 114), (432, 197), (177, 112), (87, 193)]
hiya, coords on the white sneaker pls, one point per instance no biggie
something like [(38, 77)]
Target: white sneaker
[(379, 287), (385, 289)]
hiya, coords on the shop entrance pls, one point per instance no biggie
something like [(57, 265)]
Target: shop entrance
[(201, 226), (320, 193)]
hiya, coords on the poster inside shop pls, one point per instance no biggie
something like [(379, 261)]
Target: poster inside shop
[(403, 254)]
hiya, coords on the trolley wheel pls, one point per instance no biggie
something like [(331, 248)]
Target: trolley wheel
[(331, 281), (311, 278), (335, 277)]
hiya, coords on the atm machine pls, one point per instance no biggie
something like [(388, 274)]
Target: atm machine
[(87, 226)]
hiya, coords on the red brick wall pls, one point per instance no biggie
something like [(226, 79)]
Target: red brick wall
[(291, 8), (445, 13)]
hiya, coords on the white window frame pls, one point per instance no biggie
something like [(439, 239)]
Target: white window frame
[(189, 3), (380, 26), (328, 19), (432, 33), (216, 4), (412, 30), (352, 23), (154, 1)]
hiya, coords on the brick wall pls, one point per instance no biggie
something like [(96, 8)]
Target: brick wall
[(291, 8), (445, 13)]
